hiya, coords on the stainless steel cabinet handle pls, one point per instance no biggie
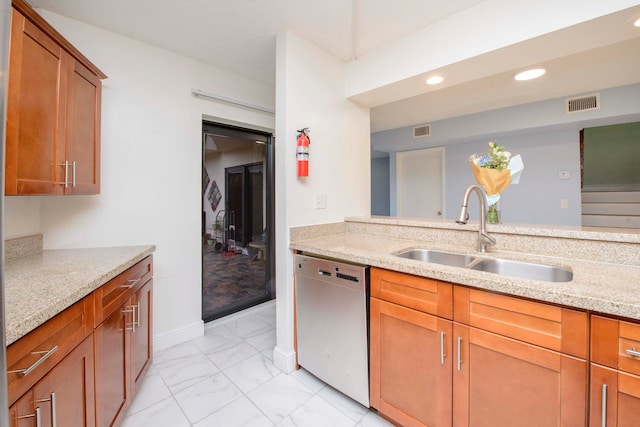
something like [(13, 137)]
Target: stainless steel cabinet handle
[(137, 316), (36, 415), (45, 355), (66, 174), (74, 174), (459, 355), (442, 354), (54, 411), (131, 283), (633, 352), (604, 405), (131, 310)]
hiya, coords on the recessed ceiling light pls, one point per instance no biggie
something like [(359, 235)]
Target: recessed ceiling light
[(435, 80), (533, 73)]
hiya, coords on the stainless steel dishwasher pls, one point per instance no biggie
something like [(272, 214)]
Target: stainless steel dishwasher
[(332, 323)]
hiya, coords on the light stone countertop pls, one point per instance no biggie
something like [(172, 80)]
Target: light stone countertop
[(604, 287), (39, 286)]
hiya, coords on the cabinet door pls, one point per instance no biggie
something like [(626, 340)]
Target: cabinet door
[(64, 397), (501, 382), (141, 349), (112, 344), (24, 413), (410, 365), (66, 394), (35, 119), (615, 398), (82, 132)]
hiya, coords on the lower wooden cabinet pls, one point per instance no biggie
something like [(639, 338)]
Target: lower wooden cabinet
[(123, 353), (501, 362), (615, 373), (142, 336), (615, 398), (410, 365), (502, 382), (64, 397), (112, 341), (83, 367)]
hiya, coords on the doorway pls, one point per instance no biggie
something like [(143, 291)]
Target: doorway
[(420, 183), (237, 219)]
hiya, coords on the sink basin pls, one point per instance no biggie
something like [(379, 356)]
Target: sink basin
[(525, 270), (438, 257)]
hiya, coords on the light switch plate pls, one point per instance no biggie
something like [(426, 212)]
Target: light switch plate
[(564, 175), (320, 201), (564, 203)]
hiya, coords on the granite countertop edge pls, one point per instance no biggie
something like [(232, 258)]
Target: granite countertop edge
[(64, 276), (599, 287)]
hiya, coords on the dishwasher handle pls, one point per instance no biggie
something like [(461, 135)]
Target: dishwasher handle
[(325, 273)]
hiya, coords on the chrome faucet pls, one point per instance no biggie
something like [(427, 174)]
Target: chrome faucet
[(484, 239)]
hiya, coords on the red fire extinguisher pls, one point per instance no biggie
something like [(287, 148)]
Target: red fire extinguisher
[(302, 152)]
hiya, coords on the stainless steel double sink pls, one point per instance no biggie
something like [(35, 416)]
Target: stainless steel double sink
[(525, 270)]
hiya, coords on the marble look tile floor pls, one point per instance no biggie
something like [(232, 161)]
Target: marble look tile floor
[(227, 379)]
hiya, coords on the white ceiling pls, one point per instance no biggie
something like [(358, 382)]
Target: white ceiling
[(239, 36)]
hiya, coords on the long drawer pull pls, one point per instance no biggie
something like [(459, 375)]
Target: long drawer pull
[(459, 355), (45, 355), (131, 283), (633, 352), (36, 415), (442, 354)]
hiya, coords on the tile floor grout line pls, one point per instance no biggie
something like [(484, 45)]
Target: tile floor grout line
[(311, 387)]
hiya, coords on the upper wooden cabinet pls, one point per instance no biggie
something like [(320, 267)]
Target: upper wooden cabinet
[(53, 111)]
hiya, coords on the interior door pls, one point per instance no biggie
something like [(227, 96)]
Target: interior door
[(255, 198), (419, 183), (235, 196)]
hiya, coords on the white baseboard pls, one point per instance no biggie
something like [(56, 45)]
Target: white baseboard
[(178, 336), (284, 361)]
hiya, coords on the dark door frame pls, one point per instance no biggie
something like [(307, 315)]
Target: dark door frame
[(268, 140)]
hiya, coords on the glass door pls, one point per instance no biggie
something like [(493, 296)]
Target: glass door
[(237, 218)]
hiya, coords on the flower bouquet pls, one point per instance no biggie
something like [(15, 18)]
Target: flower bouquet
[(494, 171)]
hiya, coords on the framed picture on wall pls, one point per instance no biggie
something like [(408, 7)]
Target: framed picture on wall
[(214, 196), (205, 180)]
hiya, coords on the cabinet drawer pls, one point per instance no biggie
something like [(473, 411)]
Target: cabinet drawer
[(110, 296), (427, 295), (537, 323), (33, 355), (615, 343)]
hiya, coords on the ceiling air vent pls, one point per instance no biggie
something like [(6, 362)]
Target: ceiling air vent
[(422, 131), (583, 103)]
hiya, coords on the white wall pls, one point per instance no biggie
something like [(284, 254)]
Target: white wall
[(310, 93), (536, 199), (151, 188)]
